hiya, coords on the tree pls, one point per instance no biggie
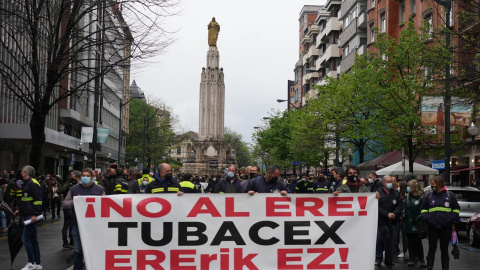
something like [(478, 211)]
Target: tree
[(151, 134), (242, 150), (408, 71), (61, 49), (274, 140)]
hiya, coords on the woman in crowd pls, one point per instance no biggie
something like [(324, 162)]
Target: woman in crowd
[(412, 219)]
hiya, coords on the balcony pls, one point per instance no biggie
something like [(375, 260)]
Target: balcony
[(332, 74), (471, 23), (362, 49), (362, 19), (308, 76), (332, 25), (346, 6), (348, 33), (331, 51), (312, 51), (348, 62)]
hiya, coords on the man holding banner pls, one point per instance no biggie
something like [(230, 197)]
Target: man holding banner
[(86, 187), (268, 183), (164, 182)]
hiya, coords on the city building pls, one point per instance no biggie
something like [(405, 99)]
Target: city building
[(63, 149), (353, 39)]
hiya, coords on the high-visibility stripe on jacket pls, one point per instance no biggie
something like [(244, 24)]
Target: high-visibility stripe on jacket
[(169, 189)]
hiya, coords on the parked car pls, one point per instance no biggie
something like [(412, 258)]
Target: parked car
[(473, 230), (469, 200)]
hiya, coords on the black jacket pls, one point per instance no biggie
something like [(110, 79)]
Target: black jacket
[(159, 185), (31, 202), (389, 203)]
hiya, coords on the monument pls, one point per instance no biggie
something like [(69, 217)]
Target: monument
[(210, 153)]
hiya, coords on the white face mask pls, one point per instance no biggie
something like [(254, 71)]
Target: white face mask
[(370, 180), (145, 182)]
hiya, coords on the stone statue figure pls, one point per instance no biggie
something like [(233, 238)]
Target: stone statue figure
[(213, 30)]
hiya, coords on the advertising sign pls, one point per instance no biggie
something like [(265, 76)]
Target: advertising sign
[(102, 135)]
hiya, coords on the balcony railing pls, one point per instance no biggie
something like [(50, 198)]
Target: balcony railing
[(346, 6), (348, 33), (348, 61)]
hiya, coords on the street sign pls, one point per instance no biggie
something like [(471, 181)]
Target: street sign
[(213, 163), (295, 163), (438, 164)]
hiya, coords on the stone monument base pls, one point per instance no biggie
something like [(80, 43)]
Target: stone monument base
[(210, 157)]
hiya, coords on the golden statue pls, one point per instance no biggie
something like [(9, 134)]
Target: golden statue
[(213, 30)]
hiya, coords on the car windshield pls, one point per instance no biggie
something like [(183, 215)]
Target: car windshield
[(466, 195)]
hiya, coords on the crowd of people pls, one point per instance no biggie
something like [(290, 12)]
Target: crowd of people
[(406, 214)]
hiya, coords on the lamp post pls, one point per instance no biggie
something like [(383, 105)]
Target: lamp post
[(447, 101), (291, 104), (120, 129)]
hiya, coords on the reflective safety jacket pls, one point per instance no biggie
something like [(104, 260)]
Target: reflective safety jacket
[(139, 180), (121, 186), (162, 186), (31, 201), (440, 210), (321, 186), (188, 187), (303, 186)]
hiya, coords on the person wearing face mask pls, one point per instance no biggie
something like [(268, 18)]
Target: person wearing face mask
[(164, 182), (303, 185), (137, 181), (72, 180), (353, 184), (413, 219), (322, 185), (86, 187), (389, 209), (251, 172), (375, 182), (268, 183), (120, 184), (230, 183), (439, 210)]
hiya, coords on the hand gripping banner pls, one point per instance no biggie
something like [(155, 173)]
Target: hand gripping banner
[(228, 231)]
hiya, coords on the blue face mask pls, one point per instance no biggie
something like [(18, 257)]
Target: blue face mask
[(389, 186), (230, 175), (408, 189), (86, 180)]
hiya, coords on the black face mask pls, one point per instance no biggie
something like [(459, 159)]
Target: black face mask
[(253, 175), (168, 177), (273, 180), (352, 178), (125, 176)]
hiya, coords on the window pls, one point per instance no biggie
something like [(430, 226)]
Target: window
[(402, 11), (179, 150), (346, 51), (347, 21), (372, 3), (450, 17), (413, 6), (383, 23), (372, 32), (428, 20)]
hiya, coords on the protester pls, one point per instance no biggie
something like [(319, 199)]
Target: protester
[(337, 181), (268, 183), (120, 184), (72, 179), (303, 185), (164, 182), (55, 198), (29, 208), (230, 183), (187, 185), (374, 182), (353, 183), (109, 181), (439, 209), (321, 185), (389, 209), (86, 187), (413, 219), (402, 189)]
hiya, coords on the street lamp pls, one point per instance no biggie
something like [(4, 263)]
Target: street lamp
[(283, 100), (448, 5), (120, 128)]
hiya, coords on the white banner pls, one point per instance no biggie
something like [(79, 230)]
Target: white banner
[(228, 231), (87, 135)]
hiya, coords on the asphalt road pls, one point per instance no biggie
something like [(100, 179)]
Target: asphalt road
[(54, 258)]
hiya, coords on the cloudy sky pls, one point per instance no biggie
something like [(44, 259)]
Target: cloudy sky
[(258, 45)]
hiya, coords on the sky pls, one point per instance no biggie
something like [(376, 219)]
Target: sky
[(258, 45)]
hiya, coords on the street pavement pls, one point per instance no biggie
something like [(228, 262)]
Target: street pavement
[(54, 258)]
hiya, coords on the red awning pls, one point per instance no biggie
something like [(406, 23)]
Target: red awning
[(466, 169)]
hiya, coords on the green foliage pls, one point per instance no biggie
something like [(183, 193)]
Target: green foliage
[(151, 133), (242, 150)]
